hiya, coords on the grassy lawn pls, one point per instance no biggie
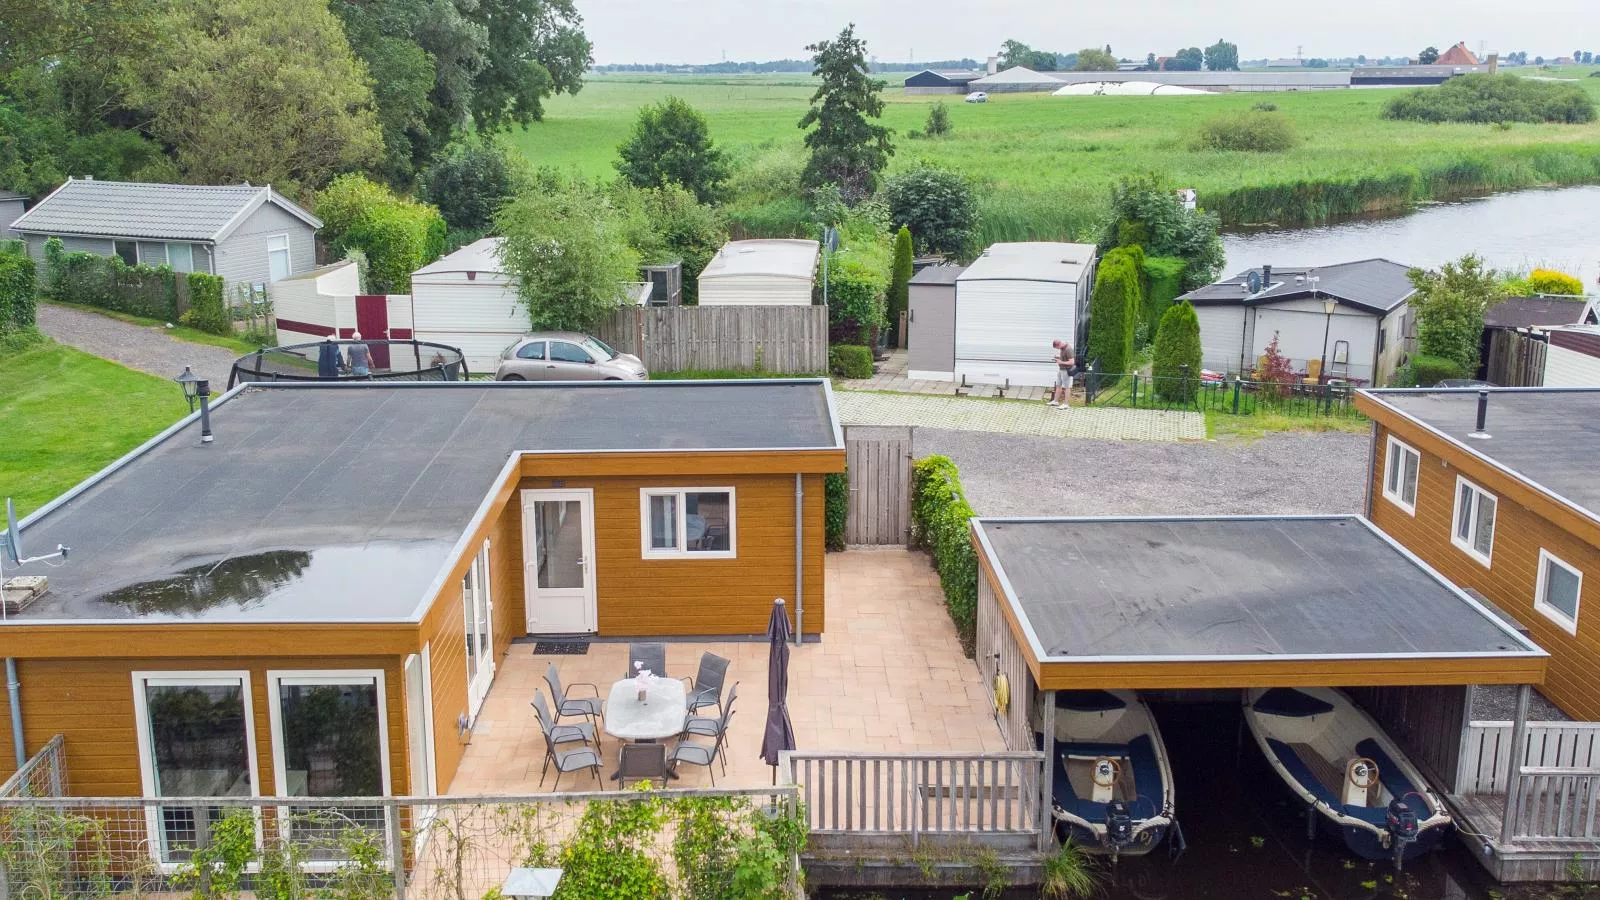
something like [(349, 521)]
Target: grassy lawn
[(181, 332), (1047, 161), (65, 415), (1225, 425)]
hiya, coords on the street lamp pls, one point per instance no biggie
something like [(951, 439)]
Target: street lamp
[(1328, 306), (196, 388)]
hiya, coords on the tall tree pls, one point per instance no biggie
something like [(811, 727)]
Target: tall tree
[(536, 48), (1189, 59), (568, 249), (900, 283), (1093, 60), (470, 181), (937, 204), (848, 147), (1222, 56), (1428, 56), (263, 93), (1449, 305), (671, 144)]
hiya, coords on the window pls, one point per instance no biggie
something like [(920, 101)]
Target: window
[(1474, 520), (696, 522), (1401, 463), (561, 351), (478, 629), (329, 739), (128, 250), (534, 350), (1557, 593), (196, 739), (1383, 338), (278, 256), (180, 257)]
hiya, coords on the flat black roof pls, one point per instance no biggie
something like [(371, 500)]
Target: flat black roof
[(1546, 436), (344, 502), (1233, 588)]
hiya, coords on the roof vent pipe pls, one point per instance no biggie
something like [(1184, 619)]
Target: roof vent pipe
[(1266, 275), (1483, 417)]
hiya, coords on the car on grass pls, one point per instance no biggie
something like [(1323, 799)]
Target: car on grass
[(566, 356), (977, 97)]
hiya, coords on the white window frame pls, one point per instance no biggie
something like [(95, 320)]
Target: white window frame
[(280, 773), (680, 509), (478, 576), (288, 257), (147, 762), (1554, 614), (1468, 544), (170, 245), (1394, 450)]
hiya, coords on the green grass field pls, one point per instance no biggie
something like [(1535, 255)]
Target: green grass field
[(66, 415), (1046, 162)]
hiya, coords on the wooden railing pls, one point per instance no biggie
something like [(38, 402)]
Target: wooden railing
[(1556, 803), (1485, 752), (921, 795)]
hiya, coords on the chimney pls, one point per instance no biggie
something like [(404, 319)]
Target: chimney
[(992, 66), (1483, 417), (1266, 276)]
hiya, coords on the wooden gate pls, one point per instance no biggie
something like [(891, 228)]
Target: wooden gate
[(879, 464), (1515, 359)]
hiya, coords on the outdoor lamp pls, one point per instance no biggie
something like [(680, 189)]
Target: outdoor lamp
[(1329, 305), (190, 382), (197, 388)]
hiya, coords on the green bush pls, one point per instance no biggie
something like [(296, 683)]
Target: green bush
[(1163, 280), (1113, 310), (938, 204), (1146, 211), (1249, 132), (1430, 370), (836, 508), (847, 361), (397, 235), (858, 281), (19, 290), (1485, 98), (940, 518), (900, 282), (207, 310), (470, 180), (1175, 362), (109, 283), (1549, 281)]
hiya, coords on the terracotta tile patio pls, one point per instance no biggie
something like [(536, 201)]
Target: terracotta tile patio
[(888, 676)]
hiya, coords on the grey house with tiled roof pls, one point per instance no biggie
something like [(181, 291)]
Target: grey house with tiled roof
[(249, 235), (11, 206)]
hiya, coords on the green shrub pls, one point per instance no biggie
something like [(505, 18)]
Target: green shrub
[(1549, 281), (1176, 360), (1430, 370), (397, 235), (1163, 279), (19, 290), (1249, 132), (1113, 310), (470, 180), (940, 518), (938, 120), (207, 310), (900, 282), (107, 282), (858, 280), (938, 204), (1146, 211), (1485, 98), (847, 361), (836, 508)]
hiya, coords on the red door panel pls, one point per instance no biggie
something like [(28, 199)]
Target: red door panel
[(372, 320)]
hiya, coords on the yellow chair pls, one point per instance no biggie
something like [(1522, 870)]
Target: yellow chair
[(1313, 371)]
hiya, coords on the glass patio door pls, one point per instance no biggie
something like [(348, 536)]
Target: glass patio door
[(477, 612), (559, 579)]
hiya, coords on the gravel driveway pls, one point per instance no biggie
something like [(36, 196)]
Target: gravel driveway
[(147, 349), (1015, 475)]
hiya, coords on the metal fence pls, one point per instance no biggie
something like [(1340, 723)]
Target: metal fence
[(1234, 397), (791, 340), (44, 775)]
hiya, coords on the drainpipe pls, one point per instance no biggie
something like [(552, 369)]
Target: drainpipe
[(799, 559), (14, 693)]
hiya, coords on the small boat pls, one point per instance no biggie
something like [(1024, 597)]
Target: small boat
[(1112, 784), (1356, 781)]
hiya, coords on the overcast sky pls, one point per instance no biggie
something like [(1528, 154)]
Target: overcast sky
[(696, 31)]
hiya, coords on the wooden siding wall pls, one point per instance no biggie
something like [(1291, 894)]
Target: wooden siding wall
[(90, 702), (638, 596), (997, 651), (1572, 677), (1425, 721)]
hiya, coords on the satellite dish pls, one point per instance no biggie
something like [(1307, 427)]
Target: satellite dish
[(1253, 280), (13, 542)]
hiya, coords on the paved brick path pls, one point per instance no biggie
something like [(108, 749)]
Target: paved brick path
[(1017, 417), (890, 375), (147, 349)]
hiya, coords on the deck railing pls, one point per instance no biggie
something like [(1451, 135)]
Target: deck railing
[(982, 797), (1556, 803), (1485, 752)]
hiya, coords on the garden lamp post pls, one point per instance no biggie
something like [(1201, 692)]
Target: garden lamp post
[(195, 389)]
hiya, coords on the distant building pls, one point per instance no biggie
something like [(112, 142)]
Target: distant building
[(1458, 55), (1286, 63), (929, 81), (12, 205)]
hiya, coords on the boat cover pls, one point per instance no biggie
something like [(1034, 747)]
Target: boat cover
[(1088, 701), (1291, 703)]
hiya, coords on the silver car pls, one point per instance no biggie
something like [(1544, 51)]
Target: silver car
[(566, 356)]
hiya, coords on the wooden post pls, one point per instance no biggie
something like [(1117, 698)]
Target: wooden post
[(1047, 822), (1519, 749)]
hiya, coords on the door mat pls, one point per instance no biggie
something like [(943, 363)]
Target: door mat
[(561, 648)]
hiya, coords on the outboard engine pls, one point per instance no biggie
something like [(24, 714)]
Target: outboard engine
[(1119, 823), (1402, 827)]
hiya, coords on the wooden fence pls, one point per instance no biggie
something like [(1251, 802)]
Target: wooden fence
[(878, 460), (1515, 359), (1485, 748), (788, 340), (1556, 803), (857, 799)]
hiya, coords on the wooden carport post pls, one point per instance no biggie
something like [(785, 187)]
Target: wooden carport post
[(1519, 750), (1047, 773)]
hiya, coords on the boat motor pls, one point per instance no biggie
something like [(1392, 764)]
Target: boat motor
[(1119, 823), (1402, 827)]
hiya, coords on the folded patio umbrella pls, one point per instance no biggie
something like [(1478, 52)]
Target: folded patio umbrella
[(779, 735)]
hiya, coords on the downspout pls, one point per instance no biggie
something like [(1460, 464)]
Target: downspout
[(1374, 477), (799, 560), (14, 694)]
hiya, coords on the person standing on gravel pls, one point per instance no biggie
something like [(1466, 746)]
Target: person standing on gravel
[(1065, 360)]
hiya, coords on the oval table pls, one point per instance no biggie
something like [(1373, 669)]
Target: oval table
[(660, 716)]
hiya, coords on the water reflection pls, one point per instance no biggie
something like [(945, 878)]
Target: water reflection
[(240, 580)]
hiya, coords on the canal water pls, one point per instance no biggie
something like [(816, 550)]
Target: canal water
[(1557, 228), (1247, 837)]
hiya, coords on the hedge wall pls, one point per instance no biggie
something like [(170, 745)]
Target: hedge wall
[(207, 310), (939, 524), (18, 289), (836, 508), (109, 283), (1163, 276), (847, 361)]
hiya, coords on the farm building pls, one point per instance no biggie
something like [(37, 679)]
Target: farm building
[(771, 272), (1012, 302), (929, 81), (1573, 357), (931, 323), (1019, 79), (1349, 317)]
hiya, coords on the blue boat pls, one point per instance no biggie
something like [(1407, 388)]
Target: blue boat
[(1354, 780), (1112, 783)]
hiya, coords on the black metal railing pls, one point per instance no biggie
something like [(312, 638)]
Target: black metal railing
[(1233, 396)]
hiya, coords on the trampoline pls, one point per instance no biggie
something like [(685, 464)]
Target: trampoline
[(391, 361)]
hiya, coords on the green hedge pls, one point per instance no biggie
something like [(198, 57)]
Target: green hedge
[(207, 310), (109, 283), (1163, 277), (1430, 370), (1175, 362), (939, 524), (18, 289), (1113, 309), (836, 508), (848, 361)]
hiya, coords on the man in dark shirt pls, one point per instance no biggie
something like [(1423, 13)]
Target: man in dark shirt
[(1064, 362)]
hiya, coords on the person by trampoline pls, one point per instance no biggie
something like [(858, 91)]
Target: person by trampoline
[(359, 354)]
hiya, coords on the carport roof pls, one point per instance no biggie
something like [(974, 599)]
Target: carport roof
[(1238, 602)]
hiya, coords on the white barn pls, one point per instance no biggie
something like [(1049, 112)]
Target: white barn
[(771, 272), (1012, 302), (1573, 357), (1353, 315)]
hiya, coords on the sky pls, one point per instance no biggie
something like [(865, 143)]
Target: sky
[(699, 31)]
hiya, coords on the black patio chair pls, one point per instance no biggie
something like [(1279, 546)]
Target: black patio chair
[(642, 761), (652, 655), (705, 726), (568, 705), (705, 689), (698, 754)]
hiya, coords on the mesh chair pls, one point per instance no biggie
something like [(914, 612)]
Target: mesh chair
[(717, 728), (697, 754), (571, 761), (585, 757), (566, 705), (642, 761), (555, 733), (706, 687), (652, 655)]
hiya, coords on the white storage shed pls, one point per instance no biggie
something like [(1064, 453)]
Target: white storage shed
[(773, 272), (1573, 357), (1012, 302)]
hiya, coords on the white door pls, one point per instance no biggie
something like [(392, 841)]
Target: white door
[(477, 612), (419, 724), (558, 537)]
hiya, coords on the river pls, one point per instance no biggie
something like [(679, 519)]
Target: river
[(1558, 228)]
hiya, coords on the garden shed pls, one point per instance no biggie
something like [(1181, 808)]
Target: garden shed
[(773, 272), (931, 323), (1573, 357), (1012, 302)]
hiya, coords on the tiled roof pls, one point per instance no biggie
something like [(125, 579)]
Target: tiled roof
[(1376, 285), (151, 211)]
